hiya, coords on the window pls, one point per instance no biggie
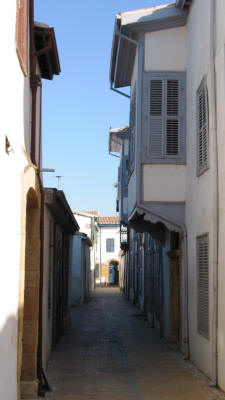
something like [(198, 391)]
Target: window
[(202, 128), (164, 117), (203, 285), (109, 245)]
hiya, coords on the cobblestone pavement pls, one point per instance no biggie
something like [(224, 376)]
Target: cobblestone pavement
[(111, 353)]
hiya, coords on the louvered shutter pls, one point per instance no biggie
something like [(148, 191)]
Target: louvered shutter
[(203, 285), (155, 145), (172, 118), (163, 124), (202, 128)]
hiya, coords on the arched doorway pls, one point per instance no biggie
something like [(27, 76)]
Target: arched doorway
[(113, 272), (31, 283)]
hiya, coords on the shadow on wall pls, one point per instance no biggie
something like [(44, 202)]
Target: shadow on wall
[(8, 358)]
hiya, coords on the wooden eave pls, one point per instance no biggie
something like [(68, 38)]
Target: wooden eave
[(46, 51)]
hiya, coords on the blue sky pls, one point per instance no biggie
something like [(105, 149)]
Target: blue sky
[(78, 105)]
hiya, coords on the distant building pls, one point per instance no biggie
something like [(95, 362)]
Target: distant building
[(108, 247)]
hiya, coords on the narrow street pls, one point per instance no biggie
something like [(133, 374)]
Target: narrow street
[(111, 353)]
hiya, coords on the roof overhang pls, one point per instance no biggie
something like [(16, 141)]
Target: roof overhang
[(155, 217), (182, 3), (116, 137), (133, 24), (46, 50), (60, 209)]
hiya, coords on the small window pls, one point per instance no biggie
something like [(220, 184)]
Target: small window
[(203, 285), (202, 128), (110, 245)]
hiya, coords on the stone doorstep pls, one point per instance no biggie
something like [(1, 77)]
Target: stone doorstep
[(29, 390)]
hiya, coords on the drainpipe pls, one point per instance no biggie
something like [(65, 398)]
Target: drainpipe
[(35, 82), (215, 193)]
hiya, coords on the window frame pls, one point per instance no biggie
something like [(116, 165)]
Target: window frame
[(111, 246)]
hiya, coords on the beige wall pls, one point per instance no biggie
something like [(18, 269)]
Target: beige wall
[(164, 182), (166, 50)]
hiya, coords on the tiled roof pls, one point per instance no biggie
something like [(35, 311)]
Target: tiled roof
[(108, 220), (93, 212)]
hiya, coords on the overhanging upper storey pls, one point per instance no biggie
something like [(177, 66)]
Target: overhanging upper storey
[(131, 24), (116, 137), (46, 50)]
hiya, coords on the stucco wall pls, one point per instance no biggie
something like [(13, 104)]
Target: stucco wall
[(165, 50), (199, 204), (13, 123), (220, 79), (164, 182)]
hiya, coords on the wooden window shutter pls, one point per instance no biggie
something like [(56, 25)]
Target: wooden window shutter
[(172, 118), (22, 34), (156, 118), (202, 128), (163, 117), (203, 285)]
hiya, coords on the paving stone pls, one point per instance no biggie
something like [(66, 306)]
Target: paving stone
[(111, 353)]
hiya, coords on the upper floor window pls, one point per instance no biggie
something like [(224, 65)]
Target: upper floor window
[(202, 128), (164, 117), (109, 245)]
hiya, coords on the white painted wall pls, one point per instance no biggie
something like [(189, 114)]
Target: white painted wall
[(108, 232), (164, 182), (14, 97), (199, 204), (166, 50)]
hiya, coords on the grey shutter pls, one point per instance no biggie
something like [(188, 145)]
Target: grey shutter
[(202, 128), (203, 285), (163, 124), (172, 118), (156, 118)]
